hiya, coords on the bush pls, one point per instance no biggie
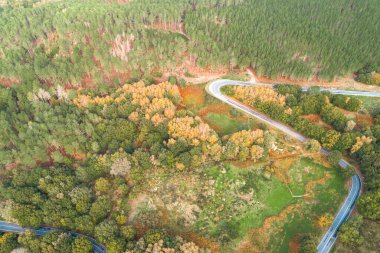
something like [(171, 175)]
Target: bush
[(172, 79), (153, 236), (334, 157), (313, 146)]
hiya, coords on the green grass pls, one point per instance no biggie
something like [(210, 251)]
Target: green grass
[(372, 105), (226, 124), (303, 171), (328, 197), (274, 197), (271, 197)]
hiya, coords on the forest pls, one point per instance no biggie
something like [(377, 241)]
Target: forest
[(96, 138), (71, 41), (73, 159)]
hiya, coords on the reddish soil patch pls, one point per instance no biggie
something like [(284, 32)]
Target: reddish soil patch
[(213, 125), (312, 118), (193, 95), (243, 165), (166, 26), (365, 120), (311, 184), (343, 83), (313, 81), (118, 1), (88, 39), (361, 119), (87, 81), (282, 168), (315, 118), (121, 76), (202, 242), (294, 244), (258, 239), (215, 108), (8, 82)]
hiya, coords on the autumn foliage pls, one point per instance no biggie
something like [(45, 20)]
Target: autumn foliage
[(262, 93)]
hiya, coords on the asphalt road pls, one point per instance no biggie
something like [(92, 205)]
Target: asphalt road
[(330, 236), (11, 227)]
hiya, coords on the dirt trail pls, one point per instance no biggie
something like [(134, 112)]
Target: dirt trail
[(347, 83), (134, 203)]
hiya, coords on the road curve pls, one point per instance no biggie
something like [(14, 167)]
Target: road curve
[(14, 228), (330, 236)]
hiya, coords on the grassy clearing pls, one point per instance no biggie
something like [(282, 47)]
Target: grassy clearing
[(224, 124), (371, 104), (329, 192), (193, 96), (245, 201), (301, 172)]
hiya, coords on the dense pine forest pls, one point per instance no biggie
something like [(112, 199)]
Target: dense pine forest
[(67, 41)]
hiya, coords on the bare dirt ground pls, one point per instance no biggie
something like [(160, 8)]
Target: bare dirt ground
[(134, 205), (258, 239), (7, 82), (315, 118), (347, 83), (207, 75)]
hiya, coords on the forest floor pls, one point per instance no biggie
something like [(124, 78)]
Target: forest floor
[(202, 76)]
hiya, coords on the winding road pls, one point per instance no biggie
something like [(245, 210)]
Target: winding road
[(14, 228), (329, 237)]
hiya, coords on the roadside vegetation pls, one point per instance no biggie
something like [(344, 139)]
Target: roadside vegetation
[(346, 135)]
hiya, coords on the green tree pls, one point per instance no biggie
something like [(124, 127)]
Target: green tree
[(330, 138), (349, 233), (81, 197), (28, 216), (29, 240), (8, 242), (334, 157), (115, 246), (128, 232), (56, 242), (106, 231), (82, 245), (307, 244), (100, 208), (313, 146), (85, 224), (102, 185), (153, 236), (369, 205)]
